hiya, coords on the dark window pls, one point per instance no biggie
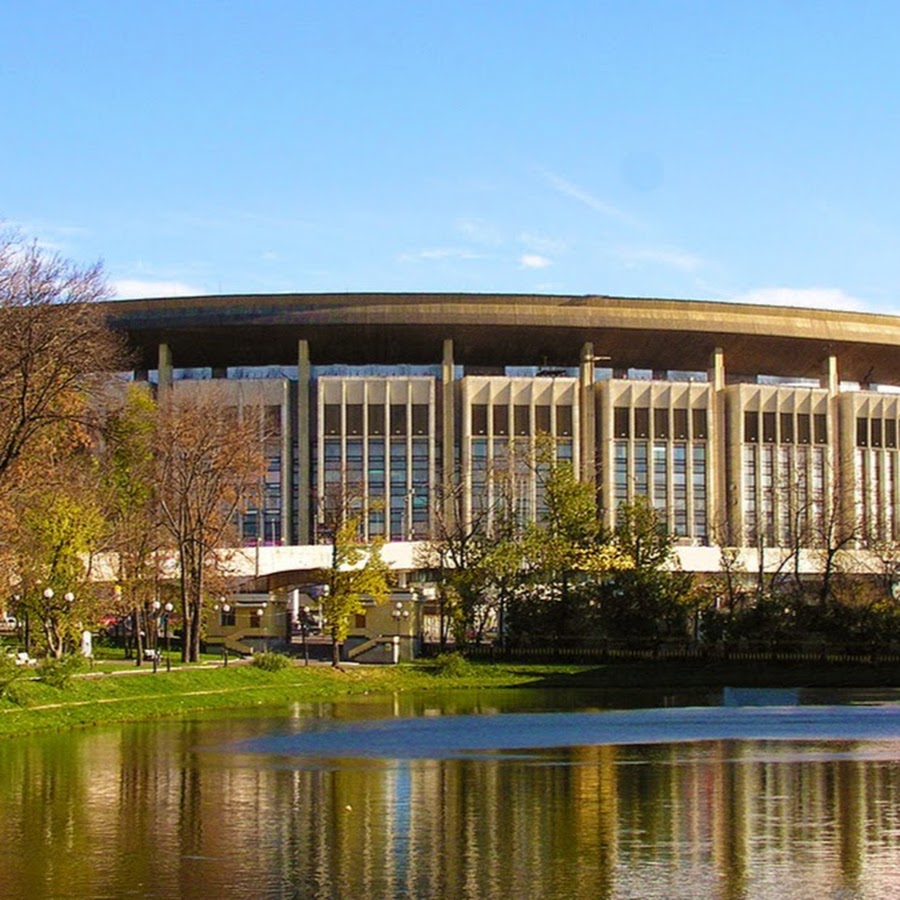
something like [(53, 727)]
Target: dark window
[(751, 427), (542, 419), (376, 419), (479, 419), (820, 427), (803, 432), (890, 433), (621, 422), (564, 421), (680, 424), (521, 419), (501, 419), (398, 418), (768, 427), (699, 424), (787, 428), (877, 433), (359, 620), (862, 432), (660, 424), (420, 418), (354, 418), (641, 422), (332, 418)]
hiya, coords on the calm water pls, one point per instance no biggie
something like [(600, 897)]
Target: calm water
[(506, 794)]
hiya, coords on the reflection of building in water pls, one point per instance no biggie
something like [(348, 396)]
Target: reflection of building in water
[(175, 809)]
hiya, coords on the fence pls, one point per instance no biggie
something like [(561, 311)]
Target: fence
[(588, 651)]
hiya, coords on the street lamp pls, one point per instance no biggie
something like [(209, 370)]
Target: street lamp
[(226, 608), (304, 619), (168, 609)]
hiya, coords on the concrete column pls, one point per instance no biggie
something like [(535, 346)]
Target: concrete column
[(164, 367), (304, 440), (607, 443), (448, 433), (840, 476), (719, 510), (587, 420), (287, 468)]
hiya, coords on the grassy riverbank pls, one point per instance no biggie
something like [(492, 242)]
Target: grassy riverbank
[(34, 706)]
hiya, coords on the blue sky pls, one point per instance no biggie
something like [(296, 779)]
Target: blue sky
[(711, 150)]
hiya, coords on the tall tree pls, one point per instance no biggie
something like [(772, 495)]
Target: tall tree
[(357, 570), (55, 343), (209, 466)]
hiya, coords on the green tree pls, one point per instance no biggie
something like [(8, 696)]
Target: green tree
[(129, 476), (357, 572), (61, 528)]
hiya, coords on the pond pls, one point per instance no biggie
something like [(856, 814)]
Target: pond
[(515, 793)]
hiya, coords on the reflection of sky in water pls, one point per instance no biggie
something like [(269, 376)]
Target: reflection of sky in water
[(454, 736)]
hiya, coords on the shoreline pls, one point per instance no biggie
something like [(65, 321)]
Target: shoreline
[(99, 698)]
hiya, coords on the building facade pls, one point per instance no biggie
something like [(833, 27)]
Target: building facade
[(744, 426)]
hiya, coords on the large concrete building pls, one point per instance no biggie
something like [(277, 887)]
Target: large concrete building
[(746, 426)]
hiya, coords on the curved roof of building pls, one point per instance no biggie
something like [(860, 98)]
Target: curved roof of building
[(509, 329)]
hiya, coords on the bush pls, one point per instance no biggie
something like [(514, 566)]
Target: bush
[(10, 673), (271, 661), (58, 672), (450, 665)]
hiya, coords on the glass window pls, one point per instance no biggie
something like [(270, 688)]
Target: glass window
[(804, 434), (698, 424), (876, 433), (680, 424), (661, 424), (501, 419), (376, 419), (521, 419), (332, 423), (890, 433), (564, 421), (354, 418), (621, 423), (862, 432), (420, 418), (398, 418), (751, 427), (479, 418), (787, 428), (542, 419), (820, 426), (641, 422), (768, 421)]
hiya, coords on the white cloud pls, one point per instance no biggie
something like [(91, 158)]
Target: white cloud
[(813, 298), (660, 256), (135, 289), (534, 261), (576, 192), (433, 254)]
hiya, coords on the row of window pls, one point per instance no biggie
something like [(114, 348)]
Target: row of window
[(785, 428), (876, 432), (520, 423), (376, 419), (680, 424)]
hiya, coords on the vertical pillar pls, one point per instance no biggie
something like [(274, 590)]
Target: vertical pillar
[(304, 440), (164, 367), (721, 527), (287, 467), (587, 438), (840, 481), (449, 474)]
